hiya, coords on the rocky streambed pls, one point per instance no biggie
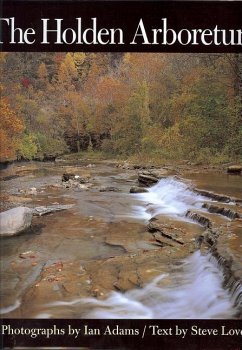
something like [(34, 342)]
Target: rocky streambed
[(111, 253)]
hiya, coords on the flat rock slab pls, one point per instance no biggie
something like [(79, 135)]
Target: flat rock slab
[(208, 220), (109, 189), (231, 211), (15, 221), (168, 230), (217, 197), (42, 210)]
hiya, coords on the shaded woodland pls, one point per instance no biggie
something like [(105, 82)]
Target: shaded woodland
[(144, 105)]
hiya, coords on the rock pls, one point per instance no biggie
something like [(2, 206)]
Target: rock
[(125, 166), (28, 254), (234, 169), (15, 221), (73, 180), (168, 233), (71, 184), (138, 166), (59, 160), (67, 176), (147, 179), (136, 189), (32, 191), (109, 189), (10, 177), (212, 208), (216, 196), (42, 210), (55, 186), (200, 218), (84, 187)]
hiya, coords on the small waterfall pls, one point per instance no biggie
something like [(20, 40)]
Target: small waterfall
[(194, 291), (229, 282), (168, 197)]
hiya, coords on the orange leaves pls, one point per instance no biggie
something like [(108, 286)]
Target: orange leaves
[(10, 127), (139, 67), (9, 119), (110, 90)]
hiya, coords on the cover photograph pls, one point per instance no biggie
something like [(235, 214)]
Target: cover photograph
[(121, 174)]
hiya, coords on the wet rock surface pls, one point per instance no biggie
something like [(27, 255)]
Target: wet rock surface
[(229, 211), (44, 210), (100, 244), (136, 189)]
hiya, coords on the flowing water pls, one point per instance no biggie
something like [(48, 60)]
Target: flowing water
[(169, 197), (194, 291), (100, 227)]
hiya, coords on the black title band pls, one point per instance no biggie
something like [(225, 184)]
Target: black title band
[(121, 26)]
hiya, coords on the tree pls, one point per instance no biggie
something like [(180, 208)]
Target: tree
[(11, 128)]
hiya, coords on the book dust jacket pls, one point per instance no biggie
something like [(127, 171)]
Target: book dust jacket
[(121, 174)]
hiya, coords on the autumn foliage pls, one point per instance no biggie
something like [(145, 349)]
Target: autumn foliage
[(168, 106), (10, 128)]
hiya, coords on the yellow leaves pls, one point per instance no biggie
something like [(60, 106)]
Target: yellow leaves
[(10, 127), (67, 73), (42, 72), (79, 57)]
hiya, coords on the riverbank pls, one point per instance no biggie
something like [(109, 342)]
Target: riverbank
[(110, 240)]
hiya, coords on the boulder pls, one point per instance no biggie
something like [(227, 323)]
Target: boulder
[(67, 176), (147, 179), (234, 169), (136, 189), (15, 221)]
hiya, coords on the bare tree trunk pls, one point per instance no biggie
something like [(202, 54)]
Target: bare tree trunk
[(78, 145)]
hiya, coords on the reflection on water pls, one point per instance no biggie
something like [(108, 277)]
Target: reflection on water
[(230, 185), (193, 291)]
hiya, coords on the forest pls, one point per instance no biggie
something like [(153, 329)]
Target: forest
[(146, 106)]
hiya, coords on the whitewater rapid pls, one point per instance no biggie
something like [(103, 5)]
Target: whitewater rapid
[(168, 197), (194, 289), (195, 292)]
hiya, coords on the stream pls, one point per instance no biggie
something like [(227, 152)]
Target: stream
[(98, 260)]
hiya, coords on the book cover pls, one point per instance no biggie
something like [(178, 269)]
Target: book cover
[(120, 175)]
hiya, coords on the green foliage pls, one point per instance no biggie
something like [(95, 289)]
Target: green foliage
[(49, 146), (28, 147)]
